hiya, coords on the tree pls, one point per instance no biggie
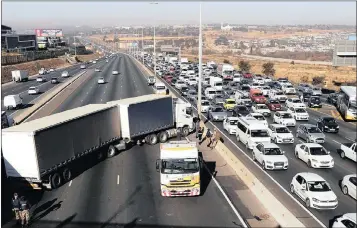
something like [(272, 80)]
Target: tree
[(244, 66), (116, 39), (318, 80), (268, 68), (292, 62), (226, 61), (104, 38), (304, 79)]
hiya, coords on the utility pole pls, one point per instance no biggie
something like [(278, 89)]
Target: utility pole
[(142, 43), (154, 52), (75, 46), (200, 65)]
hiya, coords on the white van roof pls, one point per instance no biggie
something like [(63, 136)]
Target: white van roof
[(252, 123)]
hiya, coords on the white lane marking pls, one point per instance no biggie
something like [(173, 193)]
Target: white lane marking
[(256, 164), (300, 141), (70, 183), (336, 142), (349, 138), (101, 100), (118, 180)]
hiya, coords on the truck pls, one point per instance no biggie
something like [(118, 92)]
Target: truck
[(20, 75), (179, 167), (348, 150), (225, 71), (50, 145), (216, 82)]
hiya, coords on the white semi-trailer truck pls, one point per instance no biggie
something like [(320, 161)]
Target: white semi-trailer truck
[(41, 153)]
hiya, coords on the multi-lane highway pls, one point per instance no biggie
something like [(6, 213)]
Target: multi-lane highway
[(124, 190)]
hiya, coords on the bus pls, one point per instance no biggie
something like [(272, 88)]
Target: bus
[(346, 103)]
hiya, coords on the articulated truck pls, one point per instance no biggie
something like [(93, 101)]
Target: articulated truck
[(41, 153)]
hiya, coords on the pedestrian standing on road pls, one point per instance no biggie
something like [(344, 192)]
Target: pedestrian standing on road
[(197, 123), (16, 207), (216, 137), (200, 134), (209, 137), (167, 91), (24, 211)]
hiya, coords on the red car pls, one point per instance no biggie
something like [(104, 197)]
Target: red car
[(168, 78), (247, 75), (274, 105)]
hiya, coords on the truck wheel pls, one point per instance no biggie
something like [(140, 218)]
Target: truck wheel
[(163, 136), (152, 139), (342, 154), (56, 180), (111, 151), (67, 174), (185, 131)]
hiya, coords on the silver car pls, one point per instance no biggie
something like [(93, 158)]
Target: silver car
[(218, 100), (191, 95), (216, 113), (310, 133)]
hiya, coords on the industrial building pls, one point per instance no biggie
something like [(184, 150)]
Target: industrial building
[(345, 52), (169, 49), (11, 41)]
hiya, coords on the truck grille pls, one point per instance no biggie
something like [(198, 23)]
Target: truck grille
[(178, 183)]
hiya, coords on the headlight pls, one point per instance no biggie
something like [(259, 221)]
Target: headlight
[(286, 163), (269, 162), (315, 200), (332, 161), (314, 160), (326, 126), (338, 127)]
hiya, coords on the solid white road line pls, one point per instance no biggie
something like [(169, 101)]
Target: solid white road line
[(70, 183), (118, 180)]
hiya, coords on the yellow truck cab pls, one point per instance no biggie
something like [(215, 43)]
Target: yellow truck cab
[(179, 167)]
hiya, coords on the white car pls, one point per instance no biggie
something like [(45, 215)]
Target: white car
[(101, 80), (267, 79), (192, 82), (280, 134), (65, 74), (314, 155), (115, 72), (255, 85), (270, 156), (42, 71), (262, 109), (230, 125), (33, 90), (237, 77), (299, 113), (97, 70), (205, 106), (83, 66), (179, 84), (294, 102), (347, 220), (94, 61), (52, 70), (314, 191), (288, 89), (40, 79), (348, 185), (259, 117), (284, 118), (265, 90), (259, 81)]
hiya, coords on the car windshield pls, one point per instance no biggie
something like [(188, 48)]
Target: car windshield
[(184, 89), (279, 93), (259, 133), (245, 88), (218, 84), (242, 108), (192, 92), (261, 107), (212, 92), (286, 116), (316, 89), (354, 180), (318, 151), (296, 101), (282, 130), (230, 92), (272, 151), (274, 102), (300, 110), (330, 120), (219, 92), (259, 117), (233, 122), (101, 78), (230, 102), (313, 130), (257, 94), (318, 186), (315, 99), (160, 87), (205, 103), (187, 165), (192, 79), (289, 86), (218, 109)]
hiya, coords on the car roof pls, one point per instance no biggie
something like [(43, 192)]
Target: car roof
[(278, 125), (307, 125), (311, 176), (312, 145), (282, 112), (256, 114), (232, 118), (269, 145)]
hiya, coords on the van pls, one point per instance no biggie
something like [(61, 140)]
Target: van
[(210, 93), (159, 88), (251, 131), (13, 101), (257, 96), (242, 98)]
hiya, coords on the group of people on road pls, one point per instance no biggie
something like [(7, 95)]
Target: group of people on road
[(212, 137), (21, 208)]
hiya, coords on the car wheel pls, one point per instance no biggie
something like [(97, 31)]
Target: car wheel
[(345, 190), (307, 203), (309, 163), (342, 154), (292, 189), (263, 166), (297, 155), (253, 157)]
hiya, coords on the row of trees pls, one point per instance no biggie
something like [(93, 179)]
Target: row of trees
[(267, 68)]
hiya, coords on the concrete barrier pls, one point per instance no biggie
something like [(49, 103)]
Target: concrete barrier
[(22, 116)]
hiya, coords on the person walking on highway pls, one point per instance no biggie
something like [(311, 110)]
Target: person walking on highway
[(24, 211), (16, 207), (209, 137), (167, 91), (216, 136), (200, 134)]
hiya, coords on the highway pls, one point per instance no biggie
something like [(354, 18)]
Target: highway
[(347, 133), (124, 190), (21, 88)]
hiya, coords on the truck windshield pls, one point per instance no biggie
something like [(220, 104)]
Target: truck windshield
[(188, 165)]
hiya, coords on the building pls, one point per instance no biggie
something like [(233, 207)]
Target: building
[(5, 29), (169, 49), (226, 28), (12, 42), (344, 53)]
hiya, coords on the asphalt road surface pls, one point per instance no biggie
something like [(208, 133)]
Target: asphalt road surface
[(124, 190)]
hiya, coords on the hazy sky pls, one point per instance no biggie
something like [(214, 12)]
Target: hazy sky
[(55, 14)]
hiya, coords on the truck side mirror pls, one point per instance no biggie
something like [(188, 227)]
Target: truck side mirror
[(157, 165)]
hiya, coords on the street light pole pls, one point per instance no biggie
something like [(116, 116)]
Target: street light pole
[(75, 46), (200, 65), (154, 3), (142, 43)]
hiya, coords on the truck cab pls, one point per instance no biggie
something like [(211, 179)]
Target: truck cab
[(180, 169)]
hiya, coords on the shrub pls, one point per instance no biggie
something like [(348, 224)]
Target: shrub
[(268, 69), (318, 80), (226, 61), (244, 66)]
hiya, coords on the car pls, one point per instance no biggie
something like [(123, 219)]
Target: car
[(107, 61), (40, 79), (347, 220), (230, 125), (65, 74), (192, 82), (168, 78), (314, 191), (115, 72), (151, 80), (261, 108), (52, 70), (273, 105), (179, 84), (280, 134), (216, 113), (303, 87), (240, 110), (33, 90), (299, 113), (183, 90), (349, 184), (310, 133), (284, 118), (205, 105), (314, 102), (101, 80), (316, 91), (191, 94), (229, 104), (42, 71), (228, 93), (288, 89), (332, 98), (173, 82), (305, 96), (83, 66), (97, 70), (314, 155), (270, 156), (218, 100), (327, 124), (259, 117), (94, 61), (265, 90), (54, 80), (294, 102)]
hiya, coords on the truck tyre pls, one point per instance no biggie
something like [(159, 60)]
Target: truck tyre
[(163, 136), (56, 181), (67, 174), (185, 131), (111, 151), (152, 139)]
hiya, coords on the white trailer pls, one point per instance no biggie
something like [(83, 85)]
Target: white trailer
[(19, 75), (216, 82), (225, 71)]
